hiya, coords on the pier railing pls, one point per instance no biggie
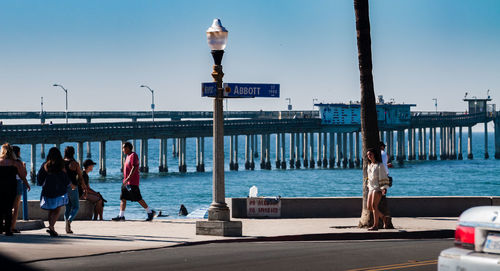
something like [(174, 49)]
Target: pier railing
[(81, 132), (448, 119), (173, 115)]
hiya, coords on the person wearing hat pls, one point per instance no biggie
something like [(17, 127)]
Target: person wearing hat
[(92, 196)]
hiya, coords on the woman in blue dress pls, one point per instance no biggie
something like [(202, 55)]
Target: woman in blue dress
[(54, 181)]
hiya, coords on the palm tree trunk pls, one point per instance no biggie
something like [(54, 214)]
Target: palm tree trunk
[(369, 125)]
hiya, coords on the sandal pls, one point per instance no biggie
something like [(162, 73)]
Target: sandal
[(374, 228), (52, 233), (16, 231)]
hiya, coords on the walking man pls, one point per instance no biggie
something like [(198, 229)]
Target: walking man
[(130, 185)]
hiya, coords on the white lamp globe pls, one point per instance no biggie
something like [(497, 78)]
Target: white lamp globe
[(217, 36)]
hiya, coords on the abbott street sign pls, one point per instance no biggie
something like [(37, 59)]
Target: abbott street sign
[(242, 90)]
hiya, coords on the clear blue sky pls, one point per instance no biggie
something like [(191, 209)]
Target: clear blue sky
[(101, 51)]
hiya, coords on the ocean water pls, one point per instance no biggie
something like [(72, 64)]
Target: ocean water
[(167, 191)]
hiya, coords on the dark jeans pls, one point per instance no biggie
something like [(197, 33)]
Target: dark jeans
[(7, 195)]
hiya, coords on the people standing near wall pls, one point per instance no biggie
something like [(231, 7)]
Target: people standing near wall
[(20, 189), (94, 197), (130, 185), (74, 173), (9, 168), (55, 182), (376, 182)]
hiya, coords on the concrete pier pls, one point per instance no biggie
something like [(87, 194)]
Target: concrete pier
[(102, 158), (304, 134)]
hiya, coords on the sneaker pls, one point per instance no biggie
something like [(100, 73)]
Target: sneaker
[(118, 218), (151, 216)]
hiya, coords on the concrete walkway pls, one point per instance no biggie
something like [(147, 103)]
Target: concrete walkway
[(101, 237)]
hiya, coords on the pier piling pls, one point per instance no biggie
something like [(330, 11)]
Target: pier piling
[(486, 155), (102, 158), (33, 163), (283, 151), (460, 150), (292, 150), (470, 156), (331, 162)]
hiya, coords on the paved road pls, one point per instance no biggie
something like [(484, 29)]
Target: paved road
[(329, 255)]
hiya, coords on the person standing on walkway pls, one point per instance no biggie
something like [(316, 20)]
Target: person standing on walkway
[(377, 181), (383, 154), (130, 186), (20, 189), (9, 168), (386, 163), (94, 197), (75, 175), (55, 182)]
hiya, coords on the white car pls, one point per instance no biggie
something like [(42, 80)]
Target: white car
[(477, 241)]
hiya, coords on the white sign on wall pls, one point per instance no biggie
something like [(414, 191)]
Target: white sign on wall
[(263, 207)]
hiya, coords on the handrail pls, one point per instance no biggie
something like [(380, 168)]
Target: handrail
[(145, 114)]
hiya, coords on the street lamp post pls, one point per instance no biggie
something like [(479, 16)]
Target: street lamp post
[(65, 91), (435, 103), (289, 103), (218, 213), (42, 118), (314, 100), (152, 101)]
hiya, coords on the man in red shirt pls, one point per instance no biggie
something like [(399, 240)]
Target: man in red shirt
[(130, 185)]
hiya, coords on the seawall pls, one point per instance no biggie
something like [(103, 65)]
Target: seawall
[(351, 206)]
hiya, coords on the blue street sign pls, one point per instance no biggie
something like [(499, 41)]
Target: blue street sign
[(208, 89), (242, 90)]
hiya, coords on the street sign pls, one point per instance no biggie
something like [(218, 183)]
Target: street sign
[(208, 89), (242, 90)]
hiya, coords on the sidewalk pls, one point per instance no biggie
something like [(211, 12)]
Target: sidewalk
[(101, 237)]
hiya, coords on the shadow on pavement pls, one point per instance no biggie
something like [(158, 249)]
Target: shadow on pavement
[(9, 264)]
